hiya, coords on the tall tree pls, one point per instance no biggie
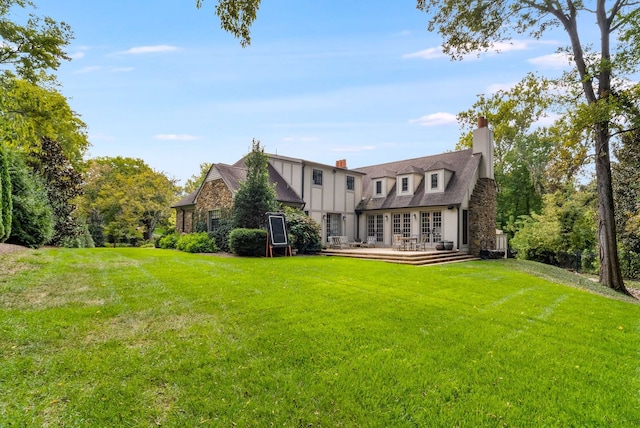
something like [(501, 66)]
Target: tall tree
[(32, 217), (32, 47), (63, 184), (469, 26), (30, 112), (236, 17), (194, 182), (627, 191), (6, 204), (521, 152), (256, 196), (128, 196)]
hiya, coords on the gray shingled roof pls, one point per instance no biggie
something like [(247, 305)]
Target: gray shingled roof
[(462, 163), (233, 175), (188, 200)]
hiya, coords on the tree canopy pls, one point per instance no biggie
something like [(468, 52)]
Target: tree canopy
[(127, 196), (471, 27), (33, 47)]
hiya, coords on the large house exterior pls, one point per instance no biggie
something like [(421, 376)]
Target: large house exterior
[(449, 196)]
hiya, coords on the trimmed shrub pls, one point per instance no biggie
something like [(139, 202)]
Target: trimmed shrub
[(82, 239), (168, 242), (221, 234), (196, 243), (248, 242), (304, 232)]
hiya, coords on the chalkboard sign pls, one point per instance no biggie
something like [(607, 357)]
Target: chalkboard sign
[(277, 229)]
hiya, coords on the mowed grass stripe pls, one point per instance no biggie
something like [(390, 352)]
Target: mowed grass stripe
[(144, 337)]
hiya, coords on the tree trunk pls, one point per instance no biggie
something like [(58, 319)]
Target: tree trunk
[(610, 273)]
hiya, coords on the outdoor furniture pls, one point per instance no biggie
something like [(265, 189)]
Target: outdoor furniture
[(421, 245), (338, 242), (371, 241), (398, 244), (408, 242)]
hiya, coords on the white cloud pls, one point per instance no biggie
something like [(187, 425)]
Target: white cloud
[(176, 137), (431, 53), (77, 55), (435, 119), (300, 139), (555, 60), (150, 49), (516, 45), (90, 69), (353, 149), (122, 69), (437, 52)]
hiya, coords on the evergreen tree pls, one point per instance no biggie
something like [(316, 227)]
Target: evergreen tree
[(256, 196), (6, 205)]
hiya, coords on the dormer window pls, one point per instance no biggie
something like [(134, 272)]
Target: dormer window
[(434, 181), (378, 187), (405, 184)]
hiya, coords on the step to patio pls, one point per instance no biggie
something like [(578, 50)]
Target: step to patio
[(414, 258)]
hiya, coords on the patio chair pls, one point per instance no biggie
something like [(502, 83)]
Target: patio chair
[(344, 242), (397, 242), (334, 242), (421, 245), (371, 241)]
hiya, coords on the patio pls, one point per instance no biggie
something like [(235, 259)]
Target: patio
[(391, 255)]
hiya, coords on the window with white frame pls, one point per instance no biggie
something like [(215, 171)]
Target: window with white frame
[(434, 180), (214, 220), (317, 177), (404, 184), (378, 187), (351, 182), (375, 227)]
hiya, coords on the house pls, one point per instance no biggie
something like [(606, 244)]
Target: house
[(449, 196)]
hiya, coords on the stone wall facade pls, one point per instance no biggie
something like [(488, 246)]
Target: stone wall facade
[(482, 217), (184, 220), (215, 195)]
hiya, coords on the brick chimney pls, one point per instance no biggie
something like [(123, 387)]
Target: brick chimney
[(342, 163), (483, 143)]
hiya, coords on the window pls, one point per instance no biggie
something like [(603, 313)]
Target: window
[(434, 181), (405, 184), (378, 187), (375, 227), (465, 226), (317, 177), (351, 182), (214, 220)]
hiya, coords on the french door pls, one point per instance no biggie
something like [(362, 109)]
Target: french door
[(431, 226)]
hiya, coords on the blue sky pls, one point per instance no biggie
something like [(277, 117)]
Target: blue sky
[(361, 80)]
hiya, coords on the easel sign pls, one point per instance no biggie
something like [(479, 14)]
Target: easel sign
[(277, 236)]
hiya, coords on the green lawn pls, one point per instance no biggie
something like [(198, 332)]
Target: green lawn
[(146, 337)]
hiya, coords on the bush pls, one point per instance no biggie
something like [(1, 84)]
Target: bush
[(82, 239), (168, 242), (32, 221), (248, 242), (221, 234), (196, 243), (303, 230)]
